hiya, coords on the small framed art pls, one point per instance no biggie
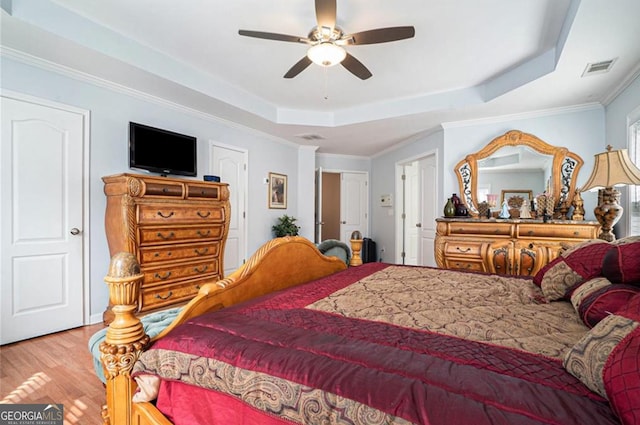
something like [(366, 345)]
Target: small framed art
[(277, 191)]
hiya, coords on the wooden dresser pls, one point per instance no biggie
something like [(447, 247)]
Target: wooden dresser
[(176, 228), (514, 247)]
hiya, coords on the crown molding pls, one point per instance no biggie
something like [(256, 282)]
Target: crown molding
[(46, 65), (523, 115)]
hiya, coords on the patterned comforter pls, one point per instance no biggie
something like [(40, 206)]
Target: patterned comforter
[(381, 344)]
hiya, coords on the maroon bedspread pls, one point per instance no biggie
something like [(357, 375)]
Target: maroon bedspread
[(388, 373)]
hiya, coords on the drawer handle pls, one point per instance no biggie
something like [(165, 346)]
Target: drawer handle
[(463, 250), (460, 229), (460, 266), (165, 190), (576, 233), (169, 236), (166, 276), (204, 215), (531, 246), (157, 254), (198, 287), (530, 232), (169, 295), (203, 234), (201, 252), (496, 231), (160, 213), (198, 270), (203, 192)]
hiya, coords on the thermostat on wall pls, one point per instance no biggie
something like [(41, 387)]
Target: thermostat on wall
[(385, 200)]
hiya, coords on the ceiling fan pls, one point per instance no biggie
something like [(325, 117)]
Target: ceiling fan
[(327, 41)]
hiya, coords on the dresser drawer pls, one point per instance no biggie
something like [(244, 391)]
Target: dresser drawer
[(572, 231), (160, 235), (163, 295), (158, 275), (163, 189), (161, 213), (473, 228), (203, 191), (475, 266), (163, 253), (468, 249)]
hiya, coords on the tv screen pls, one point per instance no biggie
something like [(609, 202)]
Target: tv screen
[(161, 151)]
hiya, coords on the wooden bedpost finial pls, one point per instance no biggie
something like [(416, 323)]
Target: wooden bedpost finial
[(125, 339)]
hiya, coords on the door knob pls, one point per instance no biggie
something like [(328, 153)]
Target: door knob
[(75, 231), (343, 222), (418, 224)]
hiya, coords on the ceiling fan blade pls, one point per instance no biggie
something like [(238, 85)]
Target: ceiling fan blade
[(326, 13), (356, 67), (272, 36), (296, 69), (381, 35)]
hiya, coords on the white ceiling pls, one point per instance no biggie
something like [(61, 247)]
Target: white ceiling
[(469, 59)]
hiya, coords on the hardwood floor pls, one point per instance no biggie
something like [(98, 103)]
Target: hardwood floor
[(55, 368)]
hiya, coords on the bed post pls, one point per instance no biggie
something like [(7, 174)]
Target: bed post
[(125, 339)]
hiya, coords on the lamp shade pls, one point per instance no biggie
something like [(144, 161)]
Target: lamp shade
[(612, 168), (326, 54)]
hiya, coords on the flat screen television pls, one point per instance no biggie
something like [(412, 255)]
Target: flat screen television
[(161, 151)]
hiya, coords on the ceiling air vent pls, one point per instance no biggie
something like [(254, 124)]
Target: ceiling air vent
[(310, 136), (598, 67)]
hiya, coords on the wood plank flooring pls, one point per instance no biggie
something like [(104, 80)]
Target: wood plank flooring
[(56, 368)]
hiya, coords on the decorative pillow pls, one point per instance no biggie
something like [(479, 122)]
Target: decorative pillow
[(572, 268), (607, 360), (621, 263), (597, 298)]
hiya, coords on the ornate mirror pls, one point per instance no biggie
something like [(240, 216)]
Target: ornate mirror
[(517, 162)]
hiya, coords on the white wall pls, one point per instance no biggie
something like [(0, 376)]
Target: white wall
[(111, 110), (617, 115)]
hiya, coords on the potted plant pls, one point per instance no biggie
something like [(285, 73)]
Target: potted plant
[(285, 226)]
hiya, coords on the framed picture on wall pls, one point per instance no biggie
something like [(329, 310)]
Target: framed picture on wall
[(277, 191)]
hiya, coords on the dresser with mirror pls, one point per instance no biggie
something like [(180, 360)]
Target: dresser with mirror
[(517, 166)]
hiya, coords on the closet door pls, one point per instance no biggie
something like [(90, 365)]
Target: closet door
[(41, 218)]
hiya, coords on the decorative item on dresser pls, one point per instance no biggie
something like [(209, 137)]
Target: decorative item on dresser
[(176, 228), (512, 247)]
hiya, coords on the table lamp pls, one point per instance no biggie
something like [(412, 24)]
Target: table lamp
[(611, 168)]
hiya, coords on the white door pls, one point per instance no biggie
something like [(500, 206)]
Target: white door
[(411, 213), (318, 209), (418, 185), (428, 175), (231, 165), (354, 205), (41, 219)]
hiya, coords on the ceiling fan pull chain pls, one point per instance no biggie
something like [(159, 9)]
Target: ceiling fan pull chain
[(326, 83)]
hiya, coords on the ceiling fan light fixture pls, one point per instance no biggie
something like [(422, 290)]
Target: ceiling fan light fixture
[(326, 54)]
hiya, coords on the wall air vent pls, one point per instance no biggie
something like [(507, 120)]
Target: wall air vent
[(310, 136), (598, 67)]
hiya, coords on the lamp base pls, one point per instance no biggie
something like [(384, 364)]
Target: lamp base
[(608, 212)]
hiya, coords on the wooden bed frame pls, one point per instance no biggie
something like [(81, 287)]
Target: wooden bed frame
[(279, 264)]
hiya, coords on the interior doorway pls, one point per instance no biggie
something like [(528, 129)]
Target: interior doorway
[(417, 189), (342, 204)]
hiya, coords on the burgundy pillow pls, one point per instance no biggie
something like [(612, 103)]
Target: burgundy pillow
[(598, 298), (573, 268), (607, 360), (621, 263)]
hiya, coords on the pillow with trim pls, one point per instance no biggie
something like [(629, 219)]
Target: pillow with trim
[(607, 360), (574, 267), (597, 298)]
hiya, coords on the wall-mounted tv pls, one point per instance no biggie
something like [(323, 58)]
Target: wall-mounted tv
[(161, 151)]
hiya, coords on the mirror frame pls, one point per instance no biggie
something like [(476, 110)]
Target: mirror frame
[(564, 171)]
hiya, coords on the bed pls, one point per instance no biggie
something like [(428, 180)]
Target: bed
[(296, 337)]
